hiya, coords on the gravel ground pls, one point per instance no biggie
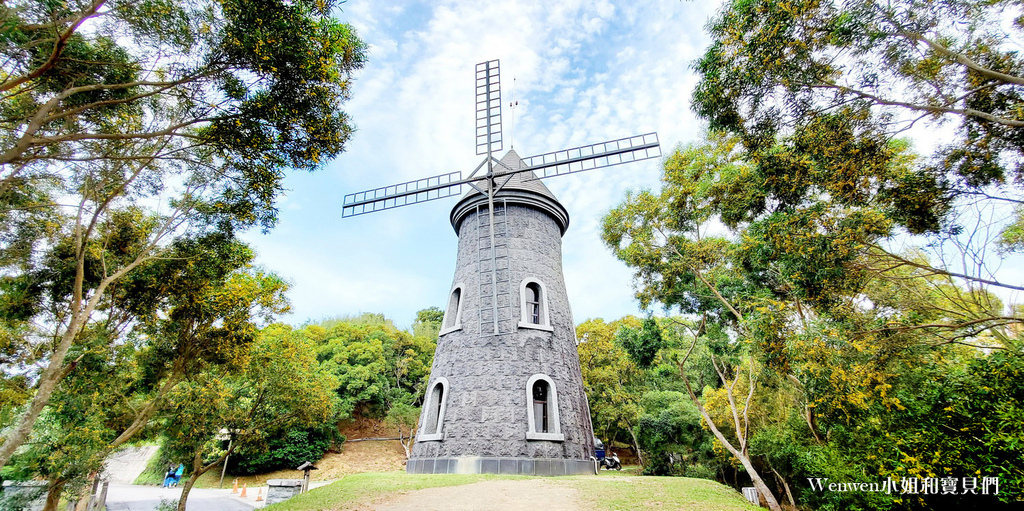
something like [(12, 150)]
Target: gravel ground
[(523, 495)]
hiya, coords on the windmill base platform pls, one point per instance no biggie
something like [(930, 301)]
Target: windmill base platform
[(494, 465)]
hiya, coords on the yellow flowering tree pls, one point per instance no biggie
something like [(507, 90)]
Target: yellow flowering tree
[(279, 386)]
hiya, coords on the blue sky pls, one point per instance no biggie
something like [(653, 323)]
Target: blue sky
[(585, 72)]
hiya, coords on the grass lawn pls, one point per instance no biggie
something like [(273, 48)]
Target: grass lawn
[(358, 488), (647, 492), (607, 491)]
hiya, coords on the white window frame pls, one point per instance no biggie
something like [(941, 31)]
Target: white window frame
[(457, 324), (429, 405), (554, 433), (545, 318)]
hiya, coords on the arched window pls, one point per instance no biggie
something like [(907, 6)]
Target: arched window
[(542, 410), (533, 304), (433, 411), (453, 314), (541, 421)]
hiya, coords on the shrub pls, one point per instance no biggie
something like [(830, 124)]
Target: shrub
[(700, 471), (670, 434), (285, 452)]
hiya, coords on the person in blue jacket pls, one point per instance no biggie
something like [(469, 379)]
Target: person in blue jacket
[(177, 474), (169, 476), (173, 475)]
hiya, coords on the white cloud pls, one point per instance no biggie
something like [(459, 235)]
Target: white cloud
[(585, 72)]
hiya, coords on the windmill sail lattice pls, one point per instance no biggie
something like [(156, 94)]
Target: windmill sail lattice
[(595, 156), (488, 107), (402, 194), (557, 163)]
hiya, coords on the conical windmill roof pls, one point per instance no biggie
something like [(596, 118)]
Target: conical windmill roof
[(522, 188), (522, 180)]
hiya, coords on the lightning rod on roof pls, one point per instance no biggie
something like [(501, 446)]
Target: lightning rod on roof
[(512, 125)]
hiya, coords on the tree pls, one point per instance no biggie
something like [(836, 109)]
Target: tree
[(377, 365), (642, 344), (947, 59), (73, 434), (114, 389), (112, 108), (285, 451), (776, 254), (775, 68), (410, 357), (790, 251), (207, 323), (611, 380), (428, 322), (404, 418), (356, 355), (279, 386), (670, 432)]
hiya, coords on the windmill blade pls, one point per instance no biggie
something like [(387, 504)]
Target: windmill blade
[(488, 107), (588, 157), (594, 156), (402, 194)]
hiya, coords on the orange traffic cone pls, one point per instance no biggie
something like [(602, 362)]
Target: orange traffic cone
[(243, 490), (234, 487), (259, 496)]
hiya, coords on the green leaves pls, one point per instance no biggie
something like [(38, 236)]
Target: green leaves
[(136, 139), (642, 344), (375, 365), (278, 386), (771, 241), (670, 433), (774, 65), (611, 379), (1012, 239)]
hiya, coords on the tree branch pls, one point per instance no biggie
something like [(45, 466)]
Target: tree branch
[(58, 48), (939, 271), (960, 58), (967, 112)]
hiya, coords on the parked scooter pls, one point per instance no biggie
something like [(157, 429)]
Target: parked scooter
[(611, 462), (608, 463)]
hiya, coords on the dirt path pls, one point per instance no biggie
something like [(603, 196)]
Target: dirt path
[(520, 495)]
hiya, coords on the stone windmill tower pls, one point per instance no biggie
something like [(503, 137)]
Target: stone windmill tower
[(505, 393)]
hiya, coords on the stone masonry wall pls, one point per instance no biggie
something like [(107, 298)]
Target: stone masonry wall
[(486, 412)]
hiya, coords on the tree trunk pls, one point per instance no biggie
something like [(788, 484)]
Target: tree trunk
[(407, 442), (809, 417), (197, 470), (54, 372), (53, 495), (48, 381), (636, 445), (401, 440), (789, 494), (741, 455), (148, 410), (762, 488), (185, 488)]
